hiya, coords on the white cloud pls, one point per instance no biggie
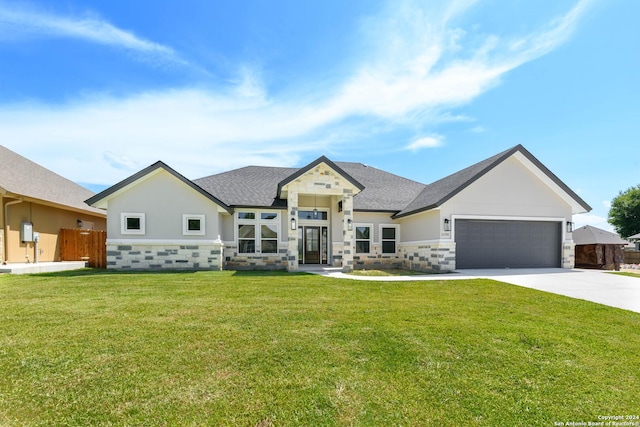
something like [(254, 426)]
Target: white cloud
[(418, 68), (17, 21), (606, 204), (425, 142)]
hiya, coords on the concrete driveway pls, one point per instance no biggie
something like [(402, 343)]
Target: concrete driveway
[(591, 285)]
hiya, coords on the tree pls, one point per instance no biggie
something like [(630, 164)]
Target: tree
[(624, 214)]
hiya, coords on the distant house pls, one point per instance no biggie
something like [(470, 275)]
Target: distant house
[(506, 211), (44, 202), (635, 239), (597, 248)]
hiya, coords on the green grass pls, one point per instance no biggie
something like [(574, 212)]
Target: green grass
[(626, 273), (277, 349), (387, 272)]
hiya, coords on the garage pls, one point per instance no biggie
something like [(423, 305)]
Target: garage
[(512, 244)]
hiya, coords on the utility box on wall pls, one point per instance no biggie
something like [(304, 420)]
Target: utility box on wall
[(26, 232)]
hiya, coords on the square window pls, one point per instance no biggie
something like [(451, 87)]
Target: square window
[(193, 225), (132, 223)]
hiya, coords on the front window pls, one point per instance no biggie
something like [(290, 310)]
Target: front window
[(388, 235), (193, 225), (132, 223), (246, 238), (363, 239), (258, 232), (269, 242)]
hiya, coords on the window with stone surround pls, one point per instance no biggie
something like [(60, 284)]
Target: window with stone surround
[(132, 223)]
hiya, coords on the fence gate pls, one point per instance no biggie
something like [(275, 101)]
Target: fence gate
[(84, 245)]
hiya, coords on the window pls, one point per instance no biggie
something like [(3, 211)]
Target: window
[(388, 237), (363, 239), (269, 242), (193, 225), (258, 232), (246, 238), (132, 223), (318, 215)]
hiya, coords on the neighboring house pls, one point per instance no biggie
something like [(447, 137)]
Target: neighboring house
[(597, 248), (506, 211), (636, 239), (45, 202)]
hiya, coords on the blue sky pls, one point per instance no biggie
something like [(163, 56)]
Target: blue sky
[(97, 90)]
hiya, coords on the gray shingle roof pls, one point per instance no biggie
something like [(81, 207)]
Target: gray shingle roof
[(257, 186), (589, 235), (149, 169), (634, 237), (435, 194), (22, 177)]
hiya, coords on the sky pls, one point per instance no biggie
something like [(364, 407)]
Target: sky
[(98, 90)]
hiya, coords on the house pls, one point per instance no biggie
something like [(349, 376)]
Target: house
[(39, 202), (635, 239), (597, 248), (506, 211)]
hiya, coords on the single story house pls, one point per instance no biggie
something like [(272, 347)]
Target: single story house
[(40, 202), (635, 239), (506, 211), (597, 248)]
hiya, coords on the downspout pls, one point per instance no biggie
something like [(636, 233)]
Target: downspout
[(5, 225)]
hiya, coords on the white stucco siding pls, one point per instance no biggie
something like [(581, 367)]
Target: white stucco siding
[(163, 199), (420, 227), (508, 190)]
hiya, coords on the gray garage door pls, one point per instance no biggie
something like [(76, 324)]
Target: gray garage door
[(513, 244)]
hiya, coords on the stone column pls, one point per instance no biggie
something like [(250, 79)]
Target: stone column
[(292, 209), (349, 242)]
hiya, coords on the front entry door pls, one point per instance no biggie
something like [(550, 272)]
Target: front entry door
[(312, 245)]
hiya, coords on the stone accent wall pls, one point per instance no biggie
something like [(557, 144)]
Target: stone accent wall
[(439, 257), (164, 257), (235, 261), (292, 235), (348, 245), (568, 254)]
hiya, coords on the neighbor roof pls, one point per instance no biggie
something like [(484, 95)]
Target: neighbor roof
[(589, 235), (20, 177), (634, 237)]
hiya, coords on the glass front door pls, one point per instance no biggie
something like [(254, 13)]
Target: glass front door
[(312, 245)]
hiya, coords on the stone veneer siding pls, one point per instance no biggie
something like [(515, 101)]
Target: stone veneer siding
[(235, 261), (439, 257), (568, 254), (164, 257)]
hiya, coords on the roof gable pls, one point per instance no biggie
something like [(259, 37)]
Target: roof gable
[(101, 199), (20, 177), (439, 192), (300, 172)]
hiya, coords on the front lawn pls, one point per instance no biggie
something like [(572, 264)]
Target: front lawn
[(259, 349)]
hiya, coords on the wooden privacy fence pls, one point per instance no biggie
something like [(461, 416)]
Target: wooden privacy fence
[(632, 257), (84, 245)]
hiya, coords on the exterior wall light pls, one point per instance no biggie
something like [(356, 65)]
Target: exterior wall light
[(79, 222), (293, 223), (349, 224), (447, 224), (569, 227)]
